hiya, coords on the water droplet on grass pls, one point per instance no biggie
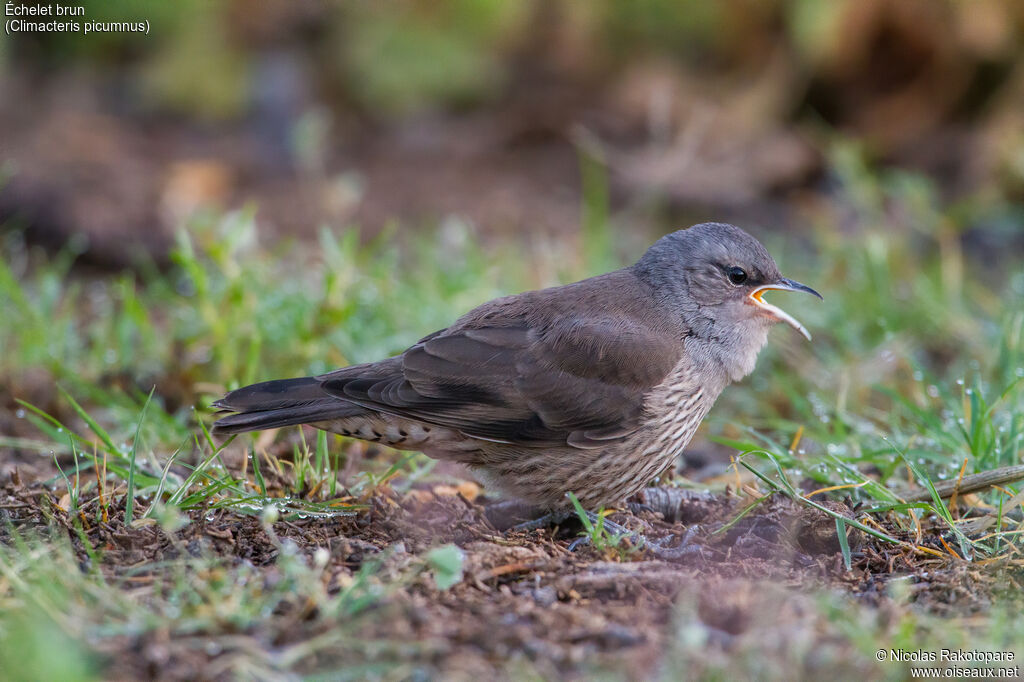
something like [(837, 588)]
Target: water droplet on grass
[(933, 391), (20, 414)]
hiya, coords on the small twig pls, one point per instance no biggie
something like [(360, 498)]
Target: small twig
[(832, 488), (948, 548), (970, 484), (518, 567)]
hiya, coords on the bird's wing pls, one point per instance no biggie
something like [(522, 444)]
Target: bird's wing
[(578, 380)]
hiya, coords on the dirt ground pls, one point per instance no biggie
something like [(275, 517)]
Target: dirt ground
[(524, 596)]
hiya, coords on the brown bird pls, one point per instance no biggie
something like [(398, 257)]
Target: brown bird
[(592, 388)]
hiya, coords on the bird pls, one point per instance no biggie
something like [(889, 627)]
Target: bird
[(592, 388)]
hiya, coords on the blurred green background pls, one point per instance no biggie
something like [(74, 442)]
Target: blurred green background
[(365, 113)]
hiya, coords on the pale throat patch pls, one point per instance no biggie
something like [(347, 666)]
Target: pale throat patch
[(745, 358)]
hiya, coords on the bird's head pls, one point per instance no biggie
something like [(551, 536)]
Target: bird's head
[(716, 276)]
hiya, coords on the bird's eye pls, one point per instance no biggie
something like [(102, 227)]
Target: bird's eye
[(737, 275)]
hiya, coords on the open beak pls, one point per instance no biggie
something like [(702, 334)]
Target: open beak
[(756, 296)]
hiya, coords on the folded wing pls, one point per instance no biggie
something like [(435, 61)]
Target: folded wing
[(577, 380)]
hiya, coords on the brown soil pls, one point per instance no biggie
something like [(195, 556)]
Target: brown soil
[(524, 596)]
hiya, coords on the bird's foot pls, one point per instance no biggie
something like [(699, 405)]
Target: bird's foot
[(550, 519), (637, 508), (610, 533), (610, 528), (507, 515), (614, 531), (683, 549), (659, 548)]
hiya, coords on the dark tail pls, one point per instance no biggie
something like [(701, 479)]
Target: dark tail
[(273, 404)]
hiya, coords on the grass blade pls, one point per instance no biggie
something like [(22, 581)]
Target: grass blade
[(163, 480), (256, 472), (582, 513), (844, 543), (788, 488), (129, 509), (93, 426)]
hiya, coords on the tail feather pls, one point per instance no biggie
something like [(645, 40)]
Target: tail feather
[(268, 395), (285, 402)]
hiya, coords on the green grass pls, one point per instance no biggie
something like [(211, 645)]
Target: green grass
[(58, 619), (604, 541), (915, 374)]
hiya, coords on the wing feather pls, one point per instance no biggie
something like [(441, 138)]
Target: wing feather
[(576, 380)]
